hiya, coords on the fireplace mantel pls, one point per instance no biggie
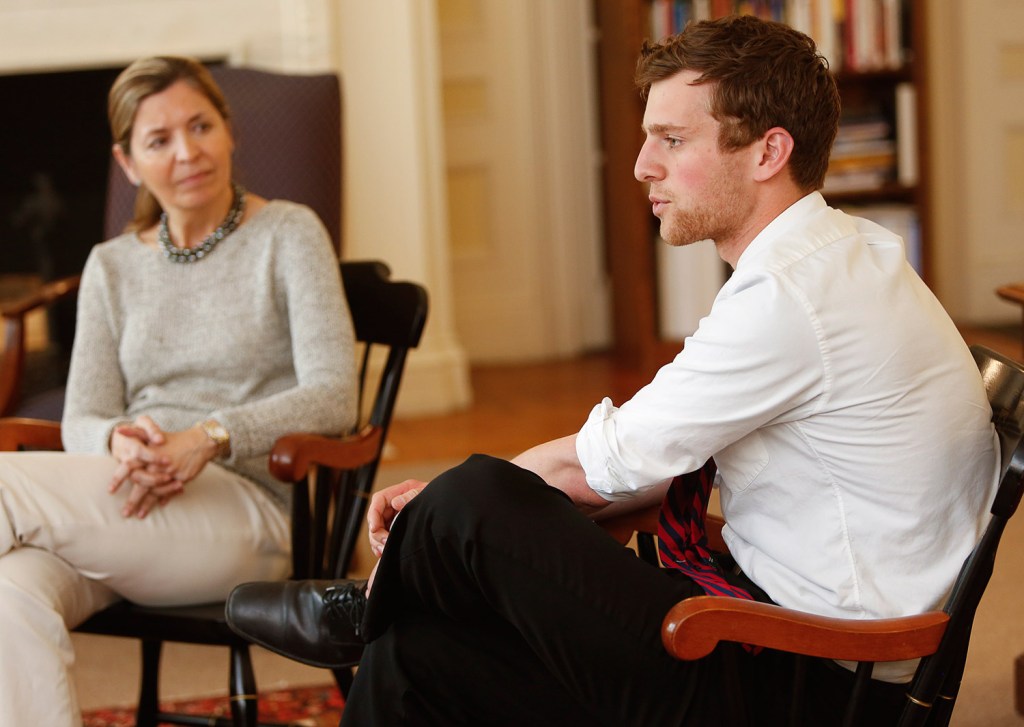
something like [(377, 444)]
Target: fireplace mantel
[(48, 35)]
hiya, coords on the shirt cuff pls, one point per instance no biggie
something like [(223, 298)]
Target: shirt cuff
[(592, 449)]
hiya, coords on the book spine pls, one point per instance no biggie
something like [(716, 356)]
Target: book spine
[(906, 134)]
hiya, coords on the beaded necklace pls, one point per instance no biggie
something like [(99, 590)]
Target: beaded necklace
[(190, 255)]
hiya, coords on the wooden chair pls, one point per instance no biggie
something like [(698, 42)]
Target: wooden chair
[(288, 145), (12, 357), (331, 478), (1014, 293), (693, 628)]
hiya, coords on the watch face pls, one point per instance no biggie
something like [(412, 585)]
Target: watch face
[(215, 431)]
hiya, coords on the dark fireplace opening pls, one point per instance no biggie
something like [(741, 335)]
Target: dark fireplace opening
[(54, 153), (56, 149)]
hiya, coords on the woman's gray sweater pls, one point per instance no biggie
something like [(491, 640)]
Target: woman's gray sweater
[(256, 335)]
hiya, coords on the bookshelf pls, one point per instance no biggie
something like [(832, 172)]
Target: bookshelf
[(881, 170)]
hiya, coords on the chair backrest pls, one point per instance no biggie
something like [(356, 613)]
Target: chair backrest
[(389, 316), (937, 680), (287, 132)]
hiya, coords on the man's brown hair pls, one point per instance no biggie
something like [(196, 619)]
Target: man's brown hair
[(765, 74)]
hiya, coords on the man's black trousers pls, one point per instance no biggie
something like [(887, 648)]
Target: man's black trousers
[(497, 602)]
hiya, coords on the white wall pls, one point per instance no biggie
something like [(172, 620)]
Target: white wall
[(62, 34), (976, 102), (395, 202), (523, 164)]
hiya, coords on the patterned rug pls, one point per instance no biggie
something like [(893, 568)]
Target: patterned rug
[(308, 707)]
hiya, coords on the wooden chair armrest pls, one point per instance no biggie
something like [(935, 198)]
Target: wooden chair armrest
[(45, 294), (13, 313), (294, 454), (622, 527), (1013, 293), (18, 432), (694, 627)]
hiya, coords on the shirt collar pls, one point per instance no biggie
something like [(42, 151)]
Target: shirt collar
[(798, 213)]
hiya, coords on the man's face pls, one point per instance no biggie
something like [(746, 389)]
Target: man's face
[(697, 191)]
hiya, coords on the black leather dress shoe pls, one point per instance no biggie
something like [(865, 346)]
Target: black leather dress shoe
[(315, 622)]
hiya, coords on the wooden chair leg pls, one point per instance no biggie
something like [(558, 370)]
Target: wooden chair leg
[(149, 686), (796, 709), (647, 548), (858, 695), (244, 700), (738, 707), (1022, 341), (343, 678), (1018, 684)]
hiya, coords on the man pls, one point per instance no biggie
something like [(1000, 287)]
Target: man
[(843, 412)]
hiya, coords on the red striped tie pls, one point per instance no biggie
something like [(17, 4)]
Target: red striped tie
[(682, 542)]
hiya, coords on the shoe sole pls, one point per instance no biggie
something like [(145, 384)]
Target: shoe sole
[(275, 650)]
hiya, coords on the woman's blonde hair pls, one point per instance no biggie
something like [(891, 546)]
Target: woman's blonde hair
[(140, 80)]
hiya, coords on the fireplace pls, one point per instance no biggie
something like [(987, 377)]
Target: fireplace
[(55, 149), (56, 152)]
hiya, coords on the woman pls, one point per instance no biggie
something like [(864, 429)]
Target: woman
[(214, 325)]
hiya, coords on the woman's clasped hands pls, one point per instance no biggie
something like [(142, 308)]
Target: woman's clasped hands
[(155, 463)]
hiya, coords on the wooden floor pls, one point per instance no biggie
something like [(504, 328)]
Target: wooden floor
[(517, 406)]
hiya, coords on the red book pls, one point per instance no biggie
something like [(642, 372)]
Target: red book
[(721, 8)]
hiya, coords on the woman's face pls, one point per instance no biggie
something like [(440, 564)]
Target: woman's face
[(181, 150)]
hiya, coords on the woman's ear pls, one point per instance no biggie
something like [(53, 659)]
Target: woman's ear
[(127, 165)]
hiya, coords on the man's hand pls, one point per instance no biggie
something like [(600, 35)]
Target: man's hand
[(384, 506)]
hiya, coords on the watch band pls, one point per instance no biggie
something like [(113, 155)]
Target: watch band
[(216, 432)]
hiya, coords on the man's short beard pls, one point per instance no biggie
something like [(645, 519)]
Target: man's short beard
[(687, 228)]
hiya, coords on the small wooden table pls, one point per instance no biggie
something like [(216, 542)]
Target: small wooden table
[(1015, 294)]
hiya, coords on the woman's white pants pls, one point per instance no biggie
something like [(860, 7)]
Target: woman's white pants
[(66, 551)]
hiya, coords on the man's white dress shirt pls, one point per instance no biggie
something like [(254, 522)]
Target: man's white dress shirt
[(852, 434)]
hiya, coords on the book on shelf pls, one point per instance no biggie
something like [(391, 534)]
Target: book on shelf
[(874, 34), (856, 181), (906, 134), (859, 35), (668, 17), (862, 126), (864, 155)]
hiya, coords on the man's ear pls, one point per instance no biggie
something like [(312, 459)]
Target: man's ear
[(775, 148), (127, 165)]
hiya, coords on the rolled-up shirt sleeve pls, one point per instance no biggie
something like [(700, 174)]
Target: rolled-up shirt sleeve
[(603, 461), (755, 359)]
